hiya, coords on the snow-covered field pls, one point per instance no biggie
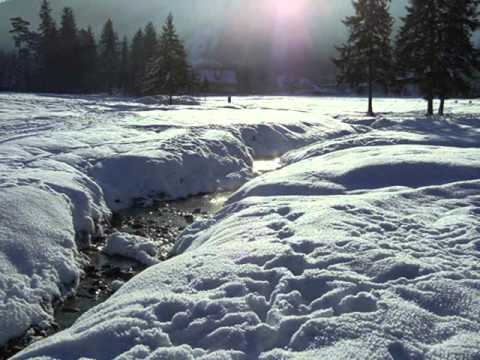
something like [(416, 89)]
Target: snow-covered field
[(365, 244)]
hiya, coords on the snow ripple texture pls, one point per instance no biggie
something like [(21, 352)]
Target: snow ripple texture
[(366, 245)]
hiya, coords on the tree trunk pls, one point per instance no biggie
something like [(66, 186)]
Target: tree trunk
[(370, 90), (430, 97), (441, 108), (370, 100), (370, 74), (430, 106), (170, 99)]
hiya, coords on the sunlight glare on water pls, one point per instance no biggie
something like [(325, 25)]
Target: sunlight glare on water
[(263, 166)]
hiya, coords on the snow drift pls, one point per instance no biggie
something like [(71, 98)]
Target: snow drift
[(378, 275), (351, 251), (368, 167), (67, 162)]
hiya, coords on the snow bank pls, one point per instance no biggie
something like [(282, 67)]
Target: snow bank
[(197, 161), (360, 247), (38, 257), (47, 210), (138, 248), (386, 273), (165, 100), (376, 275), (273, 140), (378, 138), (368, 167), (78, 158)]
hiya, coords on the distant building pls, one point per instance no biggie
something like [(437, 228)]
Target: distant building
[(221, 79)]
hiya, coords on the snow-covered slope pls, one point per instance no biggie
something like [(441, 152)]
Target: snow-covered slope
[(368, 167), (364, 245), (65, 163)]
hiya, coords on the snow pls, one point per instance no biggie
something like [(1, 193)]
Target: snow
[(79, 158), (368, 167), (138, 248), (170, 168), (33, 269), (364, 243)]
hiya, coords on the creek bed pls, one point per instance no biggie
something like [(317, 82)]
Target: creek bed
[(162, 222)]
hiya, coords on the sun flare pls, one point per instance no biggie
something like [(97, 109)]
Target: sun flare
[(288, 10)]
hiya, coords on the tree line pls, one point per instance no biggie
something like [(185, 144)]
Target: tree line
[(432, 51), (66, 59)]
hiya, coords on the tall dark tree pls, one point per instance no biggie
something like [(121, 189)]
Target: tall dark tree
[(109, 61), (435, 49), (419, 47), (124, 65), (7, 71), (88, 60), (69, 53), (150, 41), (47, 49), (459, 59), (26, 43), (137, 63), (168, 71), (366, 58)]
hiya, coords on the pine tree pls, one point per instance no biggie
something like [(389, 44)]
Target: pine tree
[(88, 60), (26, 43), (459, 60), (47, 50), (109, 57), (7, 61), (137, 63), (168, 72), (418, 48), (150, 42), (435, 50), (124, 65), (3, 69), (367, 55), (70, 65)]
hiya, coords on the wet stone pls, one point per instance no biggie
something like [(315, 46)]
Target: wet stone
[(163, 223)]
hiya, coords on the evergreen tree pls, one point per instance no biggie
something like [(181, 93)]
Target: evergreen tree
[(26, 43), (367, 55), (168, 71), (7, 66), (109, 58), (459, 60), (124, 65), (3, 69), (47, 50), (435, 49), (88, 60), (418, 48), (150, 42), (137, 63), (69, 51)]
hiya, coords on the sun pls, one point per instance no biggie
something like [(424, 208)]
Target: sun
[(288, 10)]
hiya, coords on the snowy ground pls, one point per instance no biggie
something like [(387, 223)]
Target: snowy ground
[(365, 244)]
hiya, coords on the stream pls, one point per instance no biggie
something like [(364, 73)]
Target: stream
[(163, 222)]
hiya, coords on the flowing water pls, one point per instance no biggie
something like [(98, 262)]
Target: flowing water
[(162, 222)]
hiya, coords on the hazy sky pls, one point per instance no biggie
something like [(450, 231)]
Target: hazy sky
[(320, 18), (286, 35)]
